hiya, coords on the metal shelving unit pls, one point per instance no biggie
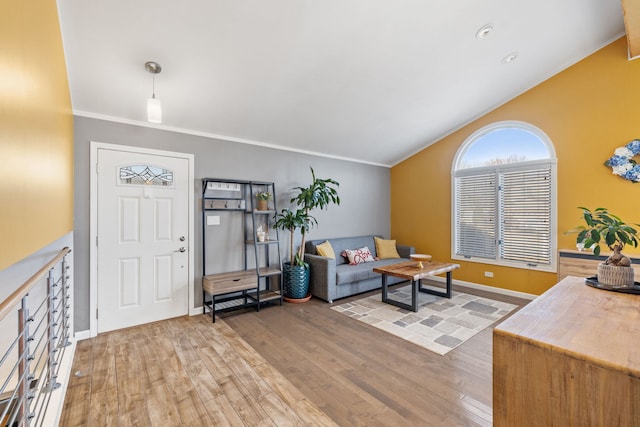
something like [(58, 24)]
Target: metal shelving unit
[(249, 287)]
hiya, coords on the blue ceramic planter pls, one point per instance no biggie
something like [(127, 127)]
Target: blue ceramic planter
[(296, 281)]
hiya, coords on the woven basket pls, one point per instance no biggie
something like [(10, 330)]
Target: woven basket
[(263, 205), (615, 276), (296, 281)]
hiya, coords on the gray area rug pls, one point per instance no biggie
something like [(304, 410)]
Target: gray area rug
[(440, 325)]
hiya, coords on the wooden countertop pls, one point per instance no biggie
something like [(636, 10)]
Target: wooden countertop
[(598, 326)]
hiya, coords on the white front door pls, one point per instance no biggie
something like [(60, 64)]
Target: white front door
[(143, 238)]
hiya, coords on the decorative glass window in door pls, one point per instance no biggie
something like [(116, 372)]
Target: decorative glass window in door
[(146, 175)]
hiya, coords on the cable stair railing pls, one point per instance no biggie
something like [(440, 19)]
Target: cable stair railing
[(30, 363)]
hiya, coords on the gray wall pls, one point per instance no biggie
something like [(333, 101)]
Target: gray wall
[(364, 189)]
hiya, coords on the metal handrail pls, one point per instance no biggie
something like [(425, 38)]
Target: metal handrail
[(43, 331), (8, 304)]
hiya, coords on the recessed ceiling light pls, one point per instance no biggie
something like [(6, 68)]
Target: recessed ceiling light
[(484, 31), (510, 58)]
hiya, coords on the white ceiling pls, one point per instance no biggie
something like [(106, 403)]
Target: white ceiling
[(370, 80)]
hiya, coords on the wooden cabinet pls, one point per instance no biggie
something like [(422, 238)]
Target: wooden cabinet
[(571, 357), (585, 264)]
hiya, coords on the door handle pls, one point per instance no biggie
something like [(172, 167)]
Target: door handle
[(182, 249), (182, 239)]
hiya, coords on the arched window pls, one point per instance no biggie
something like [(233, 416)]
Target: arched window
[(504, 197)]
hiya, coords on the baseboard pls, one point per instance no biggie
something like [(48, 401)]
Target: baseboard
[(86, 334), (82, 335), (488, 288)]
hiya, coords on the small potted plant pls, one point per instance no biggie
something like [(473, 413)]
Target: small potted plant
[(318, 195), (603, 227), (263, 198)]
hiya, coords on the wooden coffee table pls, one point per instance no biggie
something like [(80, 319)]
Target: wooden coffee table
[(411, 271)]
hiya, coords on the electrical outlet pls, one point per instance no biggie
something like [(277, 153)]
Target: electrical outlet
[(488, 274)]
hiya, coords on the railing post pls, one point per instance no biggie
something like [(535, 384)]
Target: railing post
[(52, 382), (66, 297), (24, 360)]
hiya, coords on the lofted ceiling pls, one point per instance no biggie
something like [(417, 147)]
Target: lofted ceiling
[(631, 10), (369, 80)]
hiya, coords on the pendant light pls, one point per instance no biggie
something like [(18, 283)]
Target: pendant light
[(154, 106)]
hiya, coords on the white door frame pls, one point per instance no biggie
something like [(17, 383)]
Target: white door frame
[(93, 224)]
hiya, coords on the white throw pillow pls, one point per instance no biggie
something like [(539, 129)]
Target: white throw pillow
[(360, 255)]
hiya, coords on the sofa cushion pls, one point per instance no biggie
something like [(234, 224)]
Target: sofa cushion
[(344, 243), (386, 248), (340, 244), (360, 255), (325, 249), (346, 274)]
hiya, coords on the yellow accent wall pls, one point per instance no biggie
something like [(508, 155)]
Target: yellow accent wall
[(588, 111), (36, 130)]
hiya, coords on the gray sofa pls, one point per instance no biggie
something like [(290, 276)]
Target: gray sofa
[(332, 279)]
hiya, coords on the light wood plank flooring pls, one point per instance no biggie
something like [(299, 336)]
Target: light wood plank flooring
[(299, 364)]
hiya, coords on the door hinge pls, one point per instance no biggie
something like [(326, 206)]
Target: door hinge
[(96, 240), (96, 313)]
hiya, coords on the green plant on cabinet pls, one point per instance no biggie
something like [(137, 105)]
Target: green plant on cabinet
[(604, 227)]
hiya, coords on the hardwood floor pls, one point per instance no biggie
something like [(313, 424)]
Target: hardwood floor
[(248, 369), (180, 372)]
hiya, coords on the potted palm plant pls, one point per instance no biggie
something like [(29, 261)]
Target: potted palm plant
[(603, 227), (318, 195)]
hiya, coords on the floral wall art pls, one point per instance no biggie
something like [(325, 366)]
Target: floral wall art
[(622, 162)]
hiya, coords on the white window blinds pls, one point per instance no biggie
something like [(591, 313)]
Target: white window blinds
[(505, 215), (476, 216), (525, 200)]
